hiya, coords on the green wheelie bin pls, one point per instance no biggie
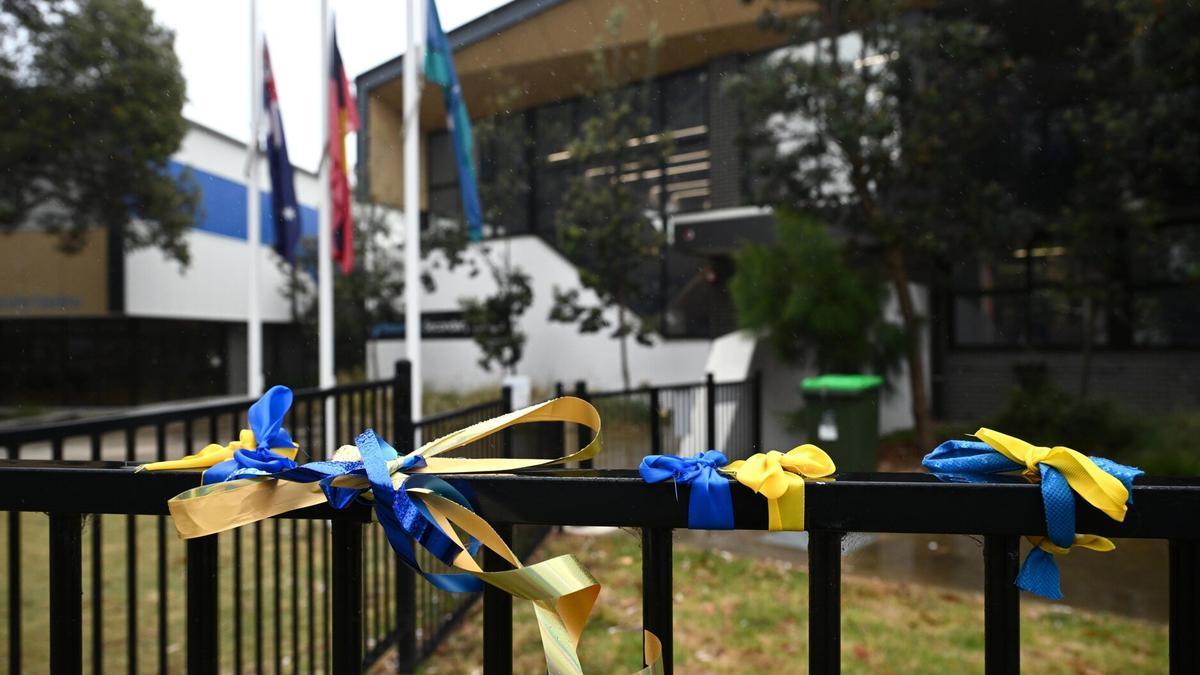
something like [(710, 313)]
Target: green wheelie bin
[(842, 418)]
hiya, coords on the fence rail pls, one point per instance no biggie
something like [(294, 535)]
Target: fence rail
[(912, 503), (313, 591)]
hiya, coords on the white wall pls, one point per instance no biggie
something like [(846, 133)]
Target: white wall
[(213, 286), (553, 351)]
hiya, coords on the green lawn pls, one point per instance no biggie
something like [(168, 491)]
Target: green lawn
[(732, 613), (736, 614)]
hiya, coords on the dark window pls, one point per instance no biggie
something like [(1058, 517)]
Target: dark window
[(685, 100)]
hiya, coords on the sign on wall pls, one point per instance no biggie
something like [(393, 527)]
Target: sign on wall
[(39, 279)]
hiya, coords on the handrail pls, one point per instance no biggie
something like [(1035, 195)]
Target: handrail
[(162, 414)]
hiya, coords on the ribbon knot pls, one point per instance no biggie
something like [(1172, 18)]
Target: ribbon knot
[(710, 506), (264, 448), (1062, 471), (779, 477)]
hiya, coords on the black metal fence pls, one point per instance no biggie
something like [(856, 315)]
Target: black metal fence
[(908, 503), (679, 419)]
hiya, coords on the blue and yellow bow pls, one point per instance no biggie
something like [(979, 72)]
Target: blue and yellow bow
[(415, 508), (265, 448), (778, 476), (1102, 483)]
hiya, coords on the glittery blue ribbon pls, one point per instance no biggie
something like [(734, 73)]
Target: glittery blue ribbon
[(974, 461), (710, 506)]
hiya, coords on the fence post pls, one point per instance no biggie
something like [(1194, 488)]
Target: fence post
[(497, 613), (406, 581), (710, 405), (1001, 605), (756, 412), (202, 614), (506, 435), (658, 595), (655, 423), (1184, 605), (824, 601), (347, 596), (582, 392), (66, 593)]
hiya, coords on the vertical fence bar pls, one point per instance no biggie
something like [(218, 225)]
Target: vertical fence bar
[(277, 594), (14, 581), (756, 412), (1185, 606), (824, 601), (582, 431), (497, 614), (406, 586), (710, 412), (294, 584), (160, 454), (202, 606), (655, 423), (97, 579), (657, 593), (506, 436), (1001, 605), (66, 593), (131, 565), (346, 554)]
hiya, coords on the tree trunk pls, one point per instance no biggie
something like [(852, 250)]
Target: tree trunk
[(922, 422), (624, 346)]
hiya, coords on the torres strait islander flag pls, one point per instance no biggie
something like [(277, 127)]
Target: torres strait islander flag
[(343, 118), (285, 212)]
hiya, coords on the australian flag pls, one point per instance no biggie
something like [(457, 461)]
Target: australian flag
[(285, 212)]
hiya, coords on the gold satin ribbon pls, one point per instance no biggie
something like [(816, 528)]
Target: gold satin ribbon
[(213, 454), (1091, 542), (1099, 488), (224, 506), (562, 592), (780, 478)]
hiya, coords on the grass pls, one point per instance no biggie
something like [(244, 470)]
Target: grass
[(35, 579), (740, 615)]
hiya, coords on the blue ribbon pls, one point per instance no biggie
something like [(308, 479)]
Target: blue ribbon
[(974, 461), (266, 421), (710, 506), (404, 519)]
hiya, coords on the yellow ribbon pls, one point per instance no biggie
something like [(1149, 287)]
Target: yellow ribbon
[(213, 454), (562, 592), (1091, 542), (1097, 487), (780, 478)]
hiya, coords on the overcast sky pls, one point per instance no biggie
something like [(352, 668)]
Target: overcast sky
[(213, 42)]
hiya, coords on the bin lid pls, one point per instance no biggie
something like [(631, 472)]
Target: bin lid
[(841, 383)]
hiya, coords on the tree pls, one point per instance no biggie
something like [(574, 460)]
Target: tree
[(804, 296), (362, 298), (875, 136), (603, 226), (93, 110)]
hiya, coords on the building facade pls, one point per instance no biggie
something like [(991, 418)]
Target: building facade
[(109, 327)]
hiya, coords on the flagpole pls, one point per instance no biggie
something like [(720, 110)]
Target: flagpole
[(325, 244), (412, 204), (254, 374)]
